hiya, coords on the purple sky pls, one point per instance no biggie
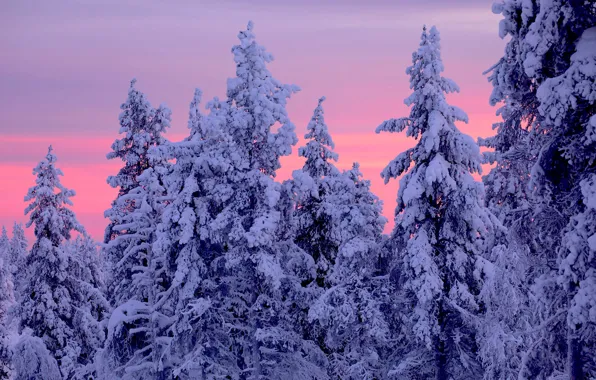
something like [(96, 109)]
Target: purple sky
[(66, 65)]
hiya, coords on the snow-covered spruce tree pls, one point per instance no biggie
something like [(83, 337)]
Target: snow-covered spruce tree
[(441, 217), (199, 186), (318, 151), (261, 270), (513, 263), (59, 307), (142, 126), (507, 183), (349, 314), (543, 81), (511, 338), (563, 176), (17, 256), (4, 244), (137, 343), (6, 301), (314, 230)]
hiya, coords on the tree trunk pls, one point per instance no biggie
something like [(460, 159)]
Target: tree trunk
[(574, 361), (441, 360), (440, 347)]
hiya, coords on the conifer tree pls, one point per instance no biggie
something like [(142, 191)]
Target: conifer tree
[(319, 149), (142, 127), (315, 233), (349, 314), (57, 306), (137, 343), (199, 187), (4, 244), (17, 256), (262, 271), (563, 175), (506, 184), (441, 217), (6, 301), (544, 80)]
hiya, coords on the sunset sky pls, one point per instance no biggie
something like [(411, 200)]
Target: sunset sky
[(65, 67)]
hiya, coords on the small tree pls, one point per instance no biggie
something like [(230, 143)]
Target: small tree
[(6, 301), (314, 230), (60, 308), (17, 256), (4, 244), (349, 314)]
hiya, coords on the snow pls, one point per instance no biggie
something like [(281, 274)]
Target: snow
[(216, 269), (585, 47)]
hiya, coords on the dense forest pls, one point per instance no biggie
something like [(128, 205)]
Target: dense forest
[(212, 269)]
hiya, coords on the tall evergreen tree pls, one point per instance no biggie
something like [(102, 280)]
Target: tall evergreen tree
[(441, 217), (507, 192), (544, 81), (60, 308), (261, 270), (137, 343), (527, 255), (199, 188), (318, 151), (564, 174), (142, 126)]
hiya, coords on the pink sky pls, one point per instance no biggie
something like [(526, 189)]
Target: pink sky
[(65, 68)]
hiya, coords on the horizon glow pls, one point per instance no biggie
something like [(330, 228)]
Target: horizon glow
[(66, 68)]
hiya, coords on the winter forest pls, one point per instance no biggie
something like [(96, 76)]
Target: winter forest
[(211, 268)]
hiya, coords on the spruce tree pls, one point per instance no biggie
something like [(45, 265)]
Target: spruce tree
[(563, 175), (137, 343), (349, 314), (263, 272), (507, 193), (314, 230), (17, 256), (6, 301), (4, 244), (442, 220), (525, 253), (199, 189), (142, 127), (544, 80), (57, 306)]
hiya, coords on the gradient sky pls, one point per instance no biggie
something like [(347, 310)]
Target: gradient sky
[(65, 67)]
